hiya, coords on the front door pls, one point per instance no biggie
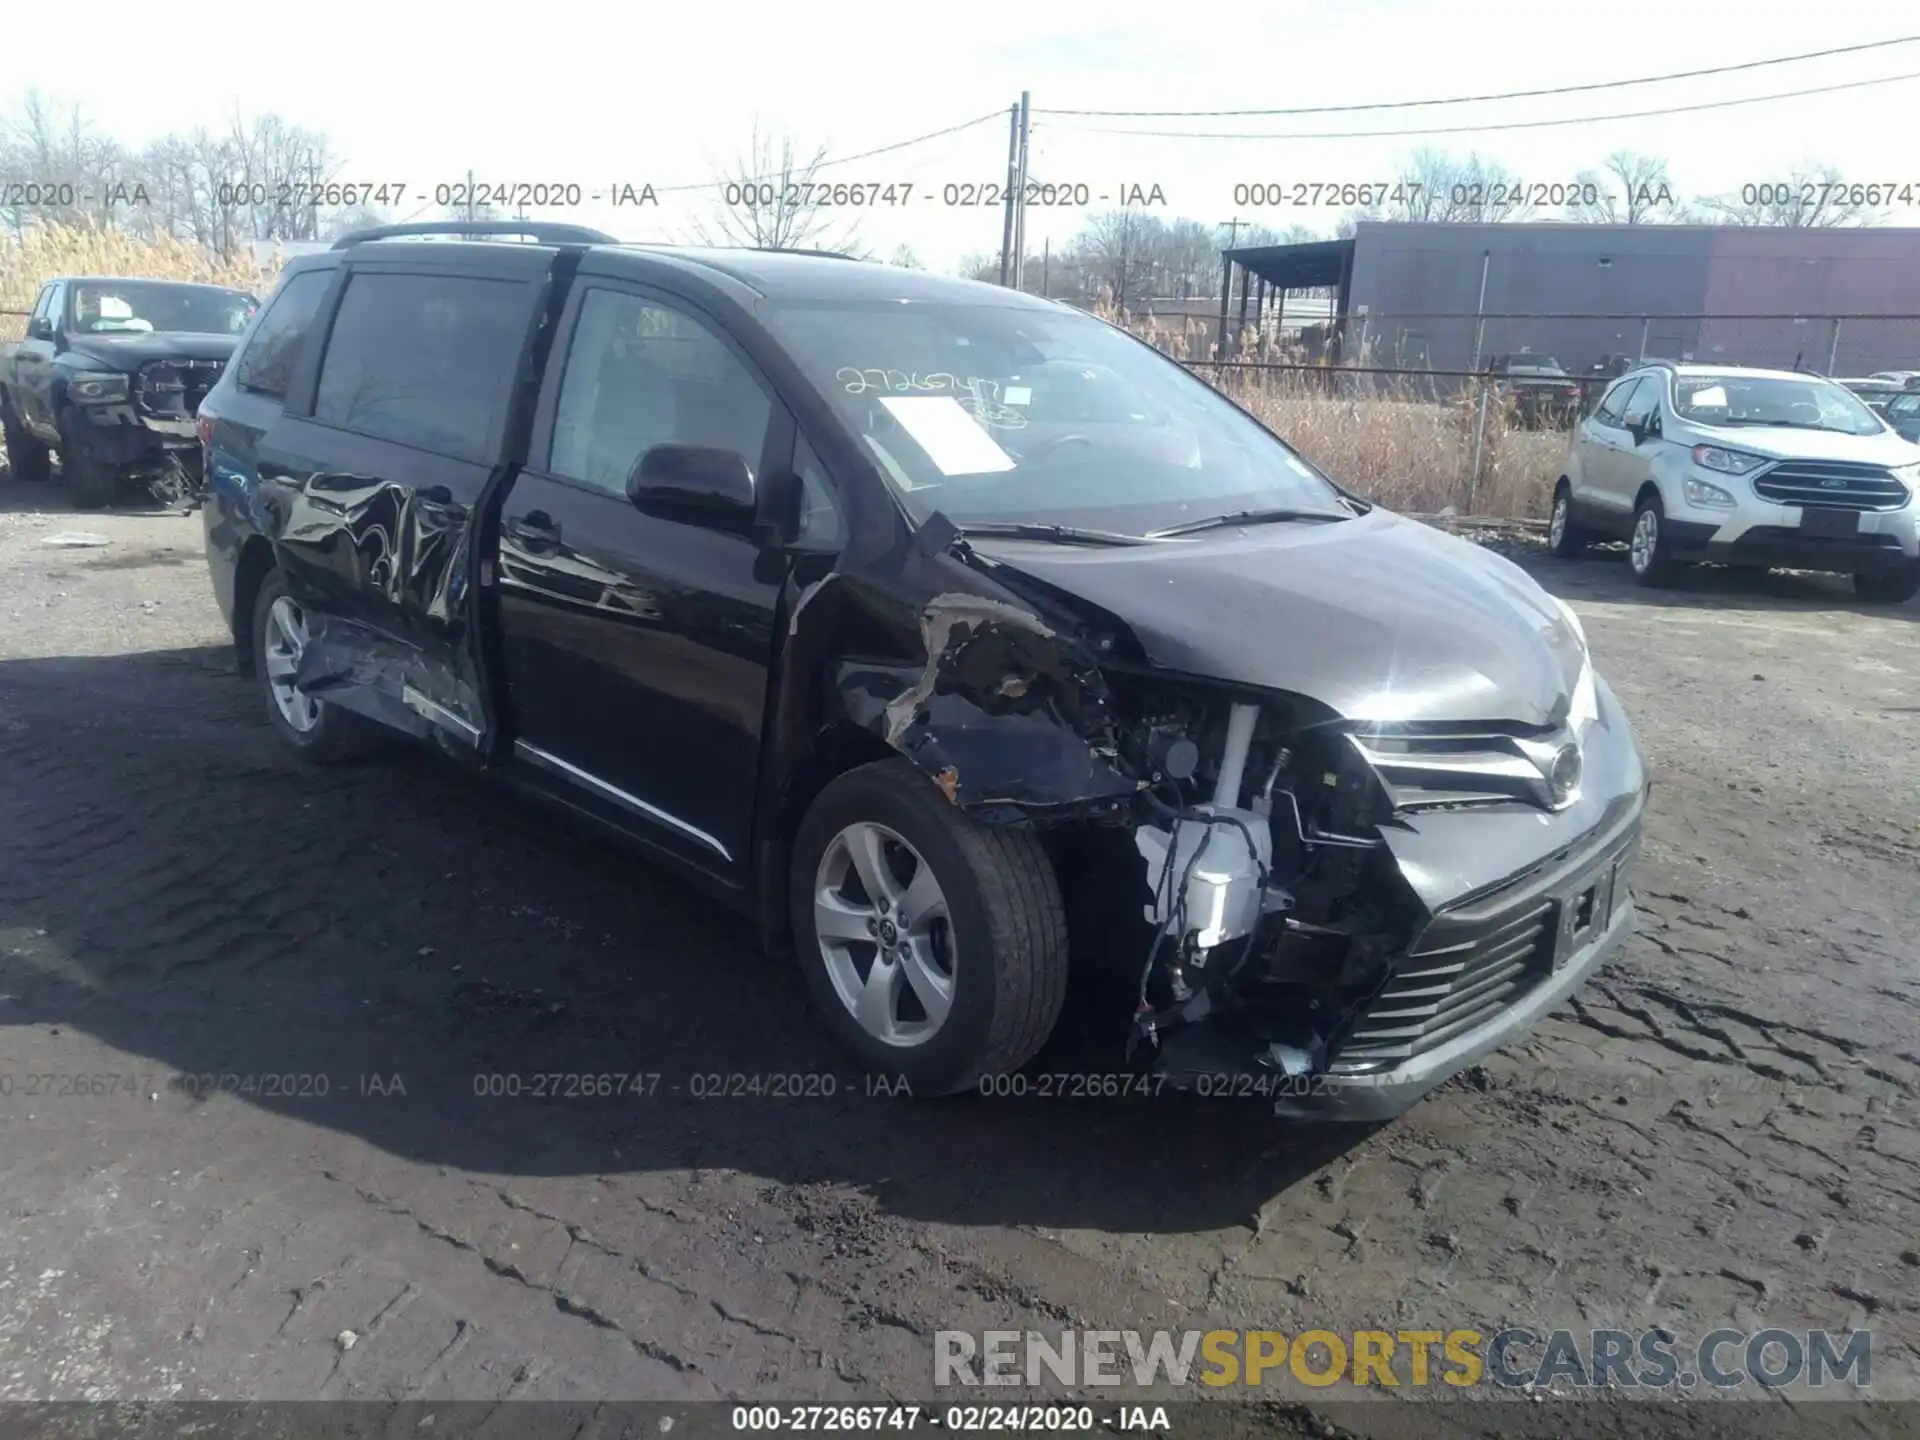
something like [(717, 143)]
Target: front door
[(637, 648), (1604, 445)]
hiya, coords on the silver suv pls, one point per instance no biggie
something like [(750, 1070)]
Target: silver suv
[(1751, 468)]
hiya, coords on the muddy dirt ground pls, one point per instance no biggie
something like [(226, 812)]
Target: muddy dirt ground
[(1719, 1131)]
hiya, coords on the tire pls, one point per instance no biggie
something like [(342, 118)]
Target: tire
[(90, 480), (1565, 535), (1889, 587), (1004, 956), (27, 458), (334, 734), (1651, 560)]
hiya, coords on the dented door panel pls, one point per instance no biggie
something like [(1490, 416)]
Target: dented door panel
[(377, 548)]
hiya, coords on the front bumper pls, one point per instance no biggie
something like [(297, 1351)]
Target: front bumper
[(1784, 547), (122, 435), (1761, 533), (1481, 975)]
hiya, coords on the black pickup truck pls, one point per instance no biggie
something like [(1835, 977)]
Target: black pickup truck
[(110, 375), (948, 631)]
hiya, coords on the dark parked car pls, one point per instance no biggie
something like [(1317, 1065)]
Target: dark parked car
[(948, 631), (1541, 391), (110, 374), (1903, 414)]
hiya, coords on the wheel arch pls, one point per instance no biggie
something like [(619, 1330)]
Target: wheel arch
[(250, 572)]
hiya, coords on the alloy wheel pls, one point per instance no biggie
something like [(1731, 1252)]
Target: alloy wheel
[(1557, 525), (1646, 537), (885, 934), (286, 641)]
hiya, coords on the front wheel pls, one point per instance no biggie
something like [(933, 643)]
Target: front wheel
[(935, 947), (1889, 587), (1650, 553), (90, 480), (1564, 533)]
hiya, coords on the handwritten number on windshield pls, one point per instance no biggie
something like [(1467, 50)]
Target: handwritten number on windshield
[(976, 393)]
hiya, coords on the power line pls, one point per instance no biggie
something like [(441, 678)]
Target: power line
[(842, 160), (1482, 129), (1482, 99)]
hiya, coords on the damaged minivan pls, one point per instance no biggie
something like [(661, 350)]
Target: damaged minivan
[(963, 640)]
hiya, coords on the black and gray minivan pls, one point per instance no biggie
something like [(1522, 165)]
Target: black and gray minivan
[(963, 640)]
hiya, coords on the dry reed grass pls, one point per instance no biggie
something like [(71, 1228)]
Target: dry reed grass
[(1396, 439)]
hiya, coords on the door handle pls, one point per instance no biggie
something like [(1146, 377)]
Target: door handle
[(536, 532)]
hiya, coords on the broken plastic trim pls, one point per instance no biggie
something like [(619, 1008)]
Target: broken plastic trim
[(1007, 712)]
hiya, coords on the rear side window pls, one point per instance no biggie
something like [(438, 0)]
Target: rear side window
[(267, 364), (424, 359)]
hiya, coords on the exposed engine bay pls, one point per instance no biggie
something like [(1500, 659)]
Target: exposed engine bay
[(1269, 907)]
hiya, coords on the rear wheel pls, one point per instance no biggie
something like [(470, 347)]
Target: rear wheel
[(1889, 587), (90, 480), (1564, 533), (27, 458), (1649, 552), (935, 947), (319, 732)]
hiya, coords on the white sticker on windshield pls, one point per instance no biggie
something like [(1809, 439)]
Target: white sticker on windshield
[(1713, 397), (1018, 395), (112, 307), (948, 434)]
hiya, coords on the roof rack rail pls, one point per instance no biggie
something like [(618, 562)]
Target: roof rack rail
[(538, 230), (790, 250)]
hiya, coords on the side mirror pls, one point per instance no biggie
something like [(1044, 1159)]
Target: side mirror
[(698, 483), (40, 328)]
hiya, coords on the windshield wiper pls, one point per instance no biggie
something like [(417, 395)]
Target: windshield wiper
[(1242, 517), (1059, 534)]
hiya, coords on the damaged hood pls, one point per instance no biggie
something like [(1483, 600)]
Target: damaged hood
[(129, 351), (1379, 618)]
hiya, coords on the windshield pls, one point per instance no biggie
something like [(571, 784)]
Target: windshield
[(140, 307), (1809, 404), (992, 414), (1533, 365)]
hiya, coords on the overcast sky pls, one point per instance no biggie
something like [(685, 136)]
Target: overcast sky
[(664, 94)]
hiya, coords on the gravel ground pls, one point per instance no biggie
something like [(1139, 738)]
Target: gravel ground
[(1718, 1131)]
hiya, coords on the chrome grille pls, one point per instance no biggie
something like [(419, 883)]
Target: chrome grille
[(173, 389), (1457, 980), (1429, 771), (1831, 482)]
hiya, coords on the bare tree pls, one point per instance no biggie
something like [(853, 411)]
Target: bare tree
[(54, 163), (772, 198), (904, 256), (1434, 186), (1809, 196), (978, 265), (1628, 189), (1119, 247)]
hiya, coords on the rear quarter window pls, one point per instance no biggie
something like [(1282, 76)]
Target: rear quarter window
[(266, 366), (424, 360)]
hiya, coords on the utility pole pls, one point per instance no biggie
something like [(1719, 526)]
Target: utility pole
[(1013, 174), (1020, 194), (1226, 286)]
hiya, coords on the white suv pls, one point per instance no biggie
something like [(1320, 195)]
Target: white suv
[(1745, 467)]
